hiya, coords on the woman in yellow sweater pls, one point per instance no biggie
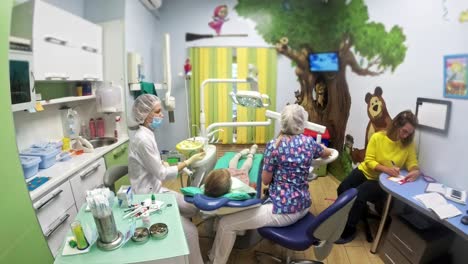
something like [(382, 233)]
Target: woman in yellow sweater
[(387, 152)]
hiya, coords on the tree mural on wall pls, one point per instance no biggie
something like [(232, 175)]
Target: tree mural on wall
[(366, 47)]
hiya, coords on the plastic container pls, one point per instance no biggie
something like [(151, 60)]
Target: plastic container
[(108, 98), (47, 155), (30, 165)]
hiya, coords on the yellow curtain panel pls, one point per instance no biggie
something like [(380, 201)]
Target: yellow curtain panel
[(216, 63), (265, 60), (211, 63)]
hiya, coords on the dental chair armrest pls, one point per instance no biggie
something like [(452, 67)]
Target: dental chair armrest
[(207, 203)]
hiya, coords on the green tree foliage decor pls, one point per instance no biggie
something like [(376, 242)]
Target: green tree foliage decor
[(298, 27)]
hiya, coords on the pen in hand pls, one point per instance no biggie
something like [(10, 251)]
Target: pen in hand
[(395, 170)]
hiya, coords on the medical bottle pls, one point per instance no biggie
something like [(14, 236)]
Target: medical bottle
[(84, 130), (100, 130), (92, 128), (117, 127)]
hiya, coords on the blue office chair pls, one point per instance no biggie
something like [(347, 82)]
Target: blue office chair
[(319, 231)]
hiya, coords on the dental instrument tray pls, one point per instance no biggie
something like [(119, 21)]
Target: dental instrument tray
[(35, 182)]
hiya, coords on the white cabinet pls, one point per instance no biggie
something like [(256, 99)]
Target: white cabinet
[(87, 179), (52, 205), (58, 208), (55, 211), (61, 227), (65, 46)]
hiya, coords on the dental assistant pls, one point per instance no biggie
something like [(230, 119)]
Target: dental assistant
[(287, 161), (147, 171)]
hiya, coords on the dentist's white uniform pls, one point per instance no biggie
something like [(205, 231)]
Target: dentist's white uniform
[(146, 172)]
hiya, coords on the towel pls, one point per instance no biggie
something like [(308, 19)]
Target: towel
[(146, 88)]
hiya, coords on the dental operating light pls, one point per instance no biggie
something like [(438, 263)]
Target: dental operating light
[(251, 98)]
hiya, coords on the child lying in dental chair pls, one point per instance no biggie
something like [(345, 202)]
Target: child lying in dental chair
[(232, 183), (222, 181)]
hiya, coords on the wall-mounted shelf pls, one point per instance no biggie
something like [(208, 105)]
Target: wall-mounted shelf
[(67, 99)]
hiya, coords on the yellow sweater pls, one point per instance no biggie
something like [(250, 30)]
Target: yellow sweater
[(382, 150)]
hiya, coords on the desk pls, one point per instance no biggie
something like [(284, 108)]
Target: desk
[(405, 193), (172, 249)]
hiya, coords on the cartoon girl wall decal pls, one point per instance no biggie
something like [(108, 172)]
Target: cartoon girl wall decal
[(219, 17)]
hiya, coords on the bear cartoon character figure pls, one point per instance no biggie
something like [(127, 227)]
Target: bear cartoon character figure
[(379, 119)]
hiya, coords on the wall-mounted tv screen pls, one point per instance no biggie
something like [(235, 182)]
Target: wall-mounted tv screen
[(324, 62)]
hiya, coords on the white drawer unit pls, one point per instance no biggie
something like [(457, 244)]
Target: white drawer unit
[(58, 230), (87, 179), (52, 205)]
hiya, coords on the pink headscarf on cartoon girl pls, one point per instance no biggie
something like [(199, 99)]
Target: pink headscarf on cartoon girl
[(219, 17)]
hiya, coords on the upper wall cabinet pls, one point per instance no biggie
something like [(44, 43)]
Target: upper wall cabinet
[(65, 46)]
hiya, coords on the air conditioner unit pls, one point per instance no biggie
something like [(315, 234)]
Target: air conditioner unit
[(152, 4)]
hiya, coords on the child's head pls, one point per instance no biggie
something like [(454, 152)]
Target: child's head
[(218, 183)]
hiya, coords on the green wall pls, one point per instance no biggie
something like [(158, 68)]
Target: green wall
[(21, 237)]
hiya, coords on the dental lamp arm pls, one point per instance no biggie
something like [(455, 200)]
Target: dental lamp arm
[(309, 125), (202, 99)]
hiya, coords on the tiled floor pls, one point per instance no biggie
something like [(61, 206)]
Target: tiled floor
[(323, 191)]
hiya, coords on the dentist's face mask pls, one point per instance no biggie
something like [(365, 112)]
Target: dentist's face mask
[(156, 123)]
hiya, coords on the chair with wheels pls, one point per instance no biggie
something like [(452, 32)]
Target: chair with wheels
[(319, 231), (113, 174)]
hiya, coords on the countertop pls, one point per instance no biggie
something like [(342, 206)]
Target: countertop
[(62, 170)]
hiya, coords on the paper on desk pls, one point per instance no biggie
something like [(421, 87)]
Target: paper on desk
[(438, 204), (399, 179), (436, 187)]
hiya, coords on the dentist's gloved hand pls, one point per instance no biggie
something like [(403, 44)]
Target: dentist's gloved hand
[(196, 157)]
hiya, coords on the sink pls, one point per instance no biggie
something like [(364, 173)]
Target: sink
[(102, 142)]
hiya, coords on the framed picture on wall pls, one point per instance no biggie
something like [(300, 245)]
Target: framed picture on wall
[(455, 76)]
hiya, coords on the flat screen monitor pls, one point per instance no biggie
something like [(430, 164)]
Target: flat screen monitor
[(324, 62)]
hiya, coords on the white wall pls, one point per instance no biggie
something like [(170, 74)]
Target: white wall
[(429, 37), (182, 16), (104, 10)]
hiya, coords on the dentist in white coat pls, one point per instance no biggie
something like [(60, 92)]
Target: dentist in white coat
[(147, 171)]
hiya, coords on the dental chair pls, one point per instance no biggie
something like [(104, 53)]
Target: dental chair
[(223, 205), (319, 232)]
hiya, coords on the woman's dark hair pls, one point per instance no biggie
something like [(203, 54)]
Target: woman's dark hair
[(398, 122)]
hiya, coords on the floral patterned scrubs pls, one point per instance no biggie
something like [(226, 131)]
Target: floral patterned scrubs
[(290, 162)]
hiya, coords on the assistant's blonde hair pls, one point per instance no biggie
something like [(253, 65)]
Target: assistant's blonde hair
[(218, 183)]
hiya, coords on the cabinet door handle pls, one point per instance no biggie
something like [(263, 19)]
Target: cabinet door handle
[(52, 197), (89, 49), (84, 175), (55, 40), (401, 241), (53, 229), (118, 153), (59, 76), (87, 77)]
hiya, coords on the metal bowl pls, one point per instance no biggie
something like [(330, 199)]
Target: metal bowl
[(159, 231), (141, 235)]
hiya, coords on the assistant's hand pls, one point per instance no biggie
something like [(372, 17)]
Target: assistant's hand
[(412, 175), (326, 152), (196, 157)]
